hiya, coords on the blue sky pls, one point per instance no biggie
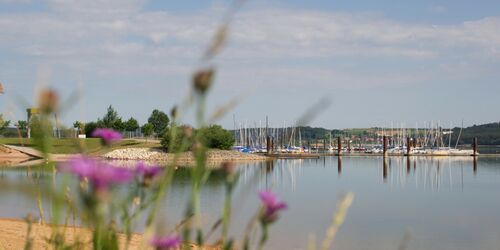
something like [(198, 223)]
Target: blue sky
[(378, 62)]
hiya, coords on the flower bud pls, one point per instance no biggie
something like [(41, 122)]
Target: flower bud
[(202, 80), (174, 112), (48, 101)]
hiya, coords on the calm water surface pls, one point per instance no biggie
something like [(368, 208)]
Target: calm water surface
[(441, 203)]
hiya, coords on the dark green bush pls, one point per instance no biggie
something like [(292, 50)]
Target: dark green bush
[(183, 139), (213, 136), (216, 137)]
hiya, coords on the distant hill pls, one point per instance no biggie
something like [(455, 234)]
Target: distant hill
[(487, 134)]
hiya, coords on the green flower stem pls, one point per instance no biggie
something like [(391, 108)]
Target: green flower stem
[(264, 236), (226, 216)]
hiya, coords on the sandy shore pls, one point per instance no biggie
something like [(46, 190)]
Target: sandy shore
[(184, 159), (9, 157), (13, 236)]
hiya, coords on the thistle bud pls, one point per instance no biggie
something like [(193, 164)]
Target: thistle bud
[(174, 112), (202, 80), (48, 101)]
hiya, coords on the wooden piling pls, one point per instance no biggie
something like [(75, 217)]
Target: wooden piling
[(385, 146), (339, 145), (408, 146), (269, 144), (474, 146)]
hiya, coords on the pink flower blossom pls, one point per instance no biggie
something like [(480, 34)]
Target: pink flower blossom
[(147, 173), (107, 135), (271, 206), (100, 174), (169, 242)]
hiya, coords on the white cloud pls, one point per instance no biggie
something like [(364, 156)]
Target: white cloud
[(112, 35)]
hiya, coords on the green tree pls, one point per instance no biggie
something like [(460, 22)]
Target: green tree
[(147, 130), (131, 124), (215, 136), (22, 125), (3, 123), (111, 120), (80, 126), (159, 120), (90, 127)]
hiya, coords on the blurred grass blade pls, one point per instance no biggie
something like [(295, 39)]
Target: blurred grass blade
[(313, 111), (337, 220)]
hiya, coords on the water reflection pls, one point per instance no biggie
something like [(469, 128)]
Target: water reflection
[(442, 194), (339, 165)]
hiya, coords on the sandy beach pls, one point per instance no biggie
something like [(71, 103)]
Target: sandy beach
[(13, 236), (9, 157)]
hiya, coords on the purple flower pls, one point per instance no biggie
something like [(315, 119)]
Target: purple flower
[(100, 174), (169, 242), (148, 173), (271, 206), (109, 136)]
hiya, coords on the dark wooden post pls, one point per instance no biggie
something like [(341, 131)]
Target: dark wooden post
[(385, 146), (474, 146), (408, 146), (339, 145), (269, 144)]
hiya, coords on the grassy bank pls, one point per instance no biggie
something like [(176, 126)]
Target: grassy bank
[(73, 146)]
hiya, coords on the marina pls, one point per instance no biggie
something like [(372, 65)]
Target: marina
[(287, 142)]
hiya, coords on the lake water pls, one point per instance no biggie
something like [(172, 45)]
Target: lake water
[(438, 203)]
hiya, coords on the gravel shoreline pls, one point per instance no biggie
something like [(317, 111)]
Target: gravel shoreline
[(215, 157)]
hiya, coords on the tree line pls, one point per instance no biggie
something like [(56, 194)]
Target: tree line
[(156, 125)]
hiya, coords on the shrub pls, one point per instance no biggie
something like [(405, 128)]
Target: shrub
[(183, 139), (89, 128), (216, 137)]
